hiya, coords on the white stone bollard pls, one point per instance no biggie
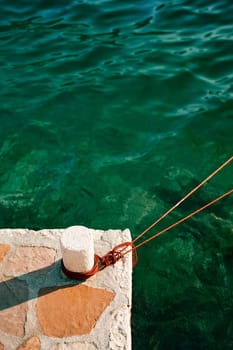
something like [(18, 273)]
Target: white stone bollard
[(77, 247)]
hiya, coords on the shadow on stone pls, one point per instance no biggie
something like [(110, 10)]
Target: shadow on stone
[(25, 287)]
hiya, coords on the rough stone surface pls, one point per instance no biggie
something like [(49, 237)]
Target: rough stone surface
[(72, 310), (77, 246), (4, 249), (74, 346), (12, 292), (118, 335), (13, 309), (12, 320), (31, 344), (19, 288), (28, 259)]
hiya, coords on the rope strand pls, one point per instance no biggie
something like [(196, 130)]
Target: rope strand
[(122, 249), (184, 198), (100, 263), (182, 220)]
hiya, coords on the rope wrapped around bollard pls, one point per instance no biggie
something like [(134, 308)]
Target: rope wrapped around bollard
[(114, 255)]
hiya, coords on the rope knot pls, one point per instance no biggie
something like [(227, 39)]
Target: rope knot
[(111, 257), (117, 253), (100, 263)]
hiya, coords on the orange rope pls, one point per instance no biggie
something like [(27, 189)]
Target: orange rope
[(100, 263), (184, 198), (122, 249), (182, 220)]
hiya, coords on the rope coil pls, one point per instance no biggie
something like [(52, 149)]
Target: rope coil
[(100, 263)]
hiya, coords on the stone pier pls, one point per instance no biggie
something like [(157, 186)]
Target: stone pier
[(42, 309)]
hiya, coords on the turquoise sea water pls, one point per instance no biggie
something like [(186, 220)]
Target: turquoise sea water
[(110, 112)]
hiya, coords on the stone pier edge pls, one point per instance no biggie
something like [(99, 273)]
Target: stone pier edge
[(113, 327)]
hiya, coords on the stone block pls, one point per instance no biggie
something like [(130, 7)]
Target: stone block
[(28, 259), (12, 310), (32, 343), (74, 346), (68, 315), (72, 310), (4, 249), (77, 246), (12, 320)]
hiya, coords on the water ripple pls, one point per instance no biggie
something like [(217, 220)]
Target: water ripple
[(124, 106)]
